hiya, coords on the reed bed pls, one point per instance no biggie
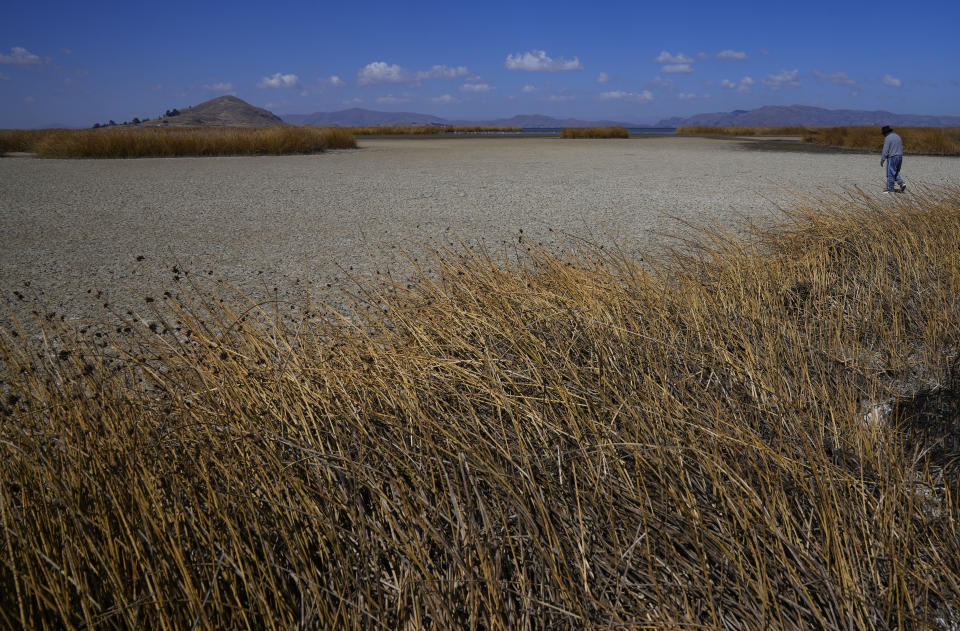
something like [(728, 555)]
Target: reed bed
[(743, 131), (186, 141), (748, 433), (427, 130), (594, 132), (21, 140), (944, 141)]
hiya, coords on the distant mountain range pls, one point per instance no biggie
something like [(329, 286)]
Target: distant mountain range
[(770, 115), (359, 117), (232, 111), (804, 115)]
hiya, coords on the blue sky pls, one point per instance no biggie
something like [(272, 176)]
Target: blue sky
[(78, 63)]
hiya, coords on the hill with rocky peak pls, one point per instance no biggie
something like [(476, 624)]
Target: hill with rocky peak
[(223, 111)]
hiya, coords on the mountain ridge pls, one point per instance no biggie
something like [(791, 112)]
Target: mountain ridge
[(360, 117), (229, 110)]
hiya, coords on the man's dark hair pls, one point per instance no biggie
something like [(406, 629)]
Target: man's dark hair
[(886, 130)]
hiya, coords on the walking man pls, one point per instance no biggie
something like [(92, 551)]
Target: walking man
[(893, 156)]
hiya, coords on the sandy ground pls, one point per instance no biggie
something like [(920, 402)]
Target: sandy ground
[(69, 226)]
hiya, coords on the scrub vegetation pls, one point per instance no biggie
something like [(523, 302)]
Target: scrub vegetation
[(115, 142), (595, 132), (750, 432)]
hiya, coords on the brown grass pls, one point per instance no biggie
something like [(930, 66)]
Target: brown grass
[(21, 140), (594, 132), (754, 433), (743, 131), (421, 130), (180, 141), (916, 140)]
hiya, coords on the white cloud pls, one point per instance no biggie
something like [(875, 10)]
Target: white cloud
[(743, 85), (392, 100), (476, 87), (618, 95), (702, 55), (443, 72), (335, 81), (446, 99), (783, 79), (660, 82), (686, 96), (731, 54), (560, 98), (219, 87), (538, 61), (279, 80), (677, 69), (603, 77), (382, 72), (836, 78), (764, 52), (354, 101), (20, 56), (527, 89), (891, 81), (666, 58)]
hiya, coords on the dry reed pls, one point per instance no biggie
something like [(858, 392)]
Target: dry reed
[(188, 141), (427, 130), (943, 141), (594, 132), (751, 433), (21, 140), (743, 131)]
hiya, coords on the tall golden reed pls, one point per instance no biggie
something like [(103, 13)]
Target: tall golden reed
[(21, 140), (426, 130), (916, 140), (133, 142), (750, 433), (594, 132), (743, 131)]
